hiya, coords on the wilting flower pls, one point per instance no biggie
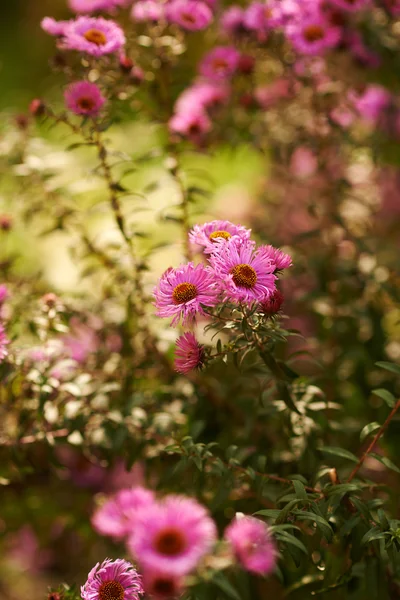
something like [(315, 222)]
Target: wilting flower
[(4, 341), (53, 27), (147, 10), (194, 123), (245, 274), (94, 35), (272, 305), (162, 585), (220, 63), (192, 16), (84, 98), (89, 6), (189, 353), (252, 544), (112, 580), (182, 292), (116, 517), (209, 234), (172, 536), (313, 33)]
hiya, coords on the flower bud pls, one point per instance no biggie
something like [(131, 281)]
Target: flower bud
[(5, 222), (125, 63), (136, 75), (273, 304), (37, 107)]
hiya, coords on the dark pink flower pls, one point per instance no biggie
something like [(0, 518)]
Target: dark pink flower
[(112, 580), (181, 293), (84, 98), (208, 234), (252, 544), (233, 20), (172, 536), (273, 304), (89, 6), (312, 33), (220, 63), (94, 35), (190, 15), (189, 354)]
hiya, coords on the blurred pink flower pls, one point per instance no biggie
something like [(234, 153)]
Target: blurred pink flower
[(84, 98), (220, 63), (81, 341), (189, 353), (190, 15), (94, 35), (252, 544), (303, 162)]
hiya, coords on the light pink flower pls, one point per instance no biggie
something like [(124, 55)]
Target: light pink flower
[(263, 16), (116, 517), (189, 354), (190, 15), (202, 95), (280, 259), (252, 544), (181, 293), (313, 33), (303, 162), (147, 10), (245, 274), (89, 6), (208, 234), (173, 536), (372, 102), (220, 63), (94, 35), (112, 579), (193, 124), (84, 98), (53, 27)]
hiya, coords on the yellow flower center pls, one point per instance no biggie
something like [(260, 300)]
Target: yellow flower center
[(244, 276), (184, 292), (313, 33), (219, 234), (170, 541), (95, 36), (111, 590)]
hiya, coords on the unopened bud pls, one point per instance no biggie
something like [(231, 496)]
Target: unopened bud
[(273, 304), (37, 107), (125, 63)]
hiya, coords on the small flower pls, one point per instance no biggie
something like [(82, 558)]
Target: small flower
[(280, 259), (272, 305), (193, 124), (162, 585), (252, 544), (147, 10), (116, 517), (4, 341), (313, 33), (263, 16), (371, 103), (189, 354), (53, 27), (172, 536), (84, 98), (233, 21), (209, 234), (94, 35), (220, 63), (112, 580), (245, 274), (205, 95), (192, 16), (182, 292)]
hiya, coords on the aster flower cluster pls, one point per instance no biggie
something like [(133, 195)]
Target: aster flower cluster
[(169, 538), (237, 272)]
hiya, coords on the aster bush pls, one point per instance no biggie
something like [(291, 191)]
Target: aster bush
[(200, 400)]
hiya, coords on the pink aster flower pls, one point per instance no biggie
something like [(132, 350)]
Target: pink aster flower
[(147, 10), (173, 535), (371, 103), (89, 6), (303, 162), (263, 16), (233, 21), (194, 123), (182, 292), (252, 544), (245, 274), (273, 304), (202, 95), (220, 63), (84, 98), (313, 33), (94, 35), (4, 341), (53, 27), (350, 5), (192, 16), (116, 517), (189, 353), (209, 234), (112, 579), (164, 586), (279, 258)]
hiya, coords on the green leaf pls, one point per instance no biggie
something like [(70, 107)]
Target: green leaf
[(389, 367), (299, 489), (368, 429), (222, 582), (371, 535), (272, 513), (339, 452), (385, 461), (386, 396), (321, 523)]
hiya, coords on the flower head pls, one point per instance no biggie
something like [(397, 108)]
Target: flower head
[(209, 234), (147, 10), (280, 259), (263, 16), (233, 20), (189, 353), (350, 5), (84, 98), (112, 580), (313, 33), (192, 16), (89, 6), (193, 123), (220, 63), (252, 544), (161, 585), (182, 292), (272, 305), (173, 535), (116, 517), (371, 103), (94, 35), (245, 274), (4, 341), (53, 27), (204, 95)]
